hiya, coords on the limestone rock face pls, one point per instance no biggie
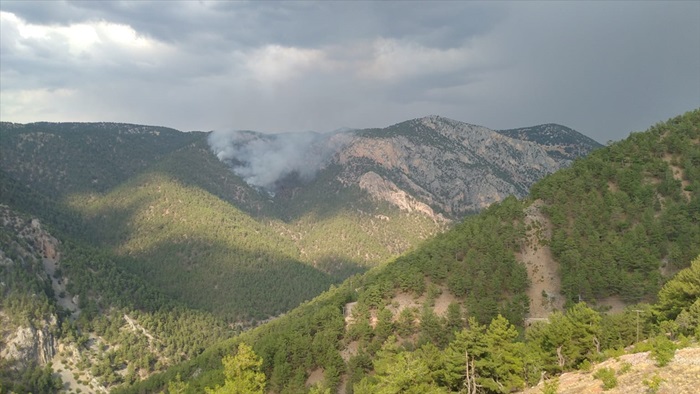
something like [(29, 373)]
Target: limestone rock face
[(386, 190), (450, 167), (28, 345), (27, 339), (453, 167)]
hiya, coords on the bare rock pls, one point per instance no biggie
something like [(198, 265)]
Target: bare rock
[(28, 345)]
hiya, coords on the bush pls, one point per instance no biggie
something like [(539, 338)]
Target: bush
[(607, 376), (663, 350), (653, 384), (551, 386), (585, 366), (624, 368)]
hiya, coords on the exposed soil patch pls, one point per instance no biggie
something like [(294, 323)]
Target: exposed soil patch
[(443, 301), (344, 380), (315, 376), (614, 303), (350, 350), (64, 365), (543, 271), (63, 298), (403, 301)]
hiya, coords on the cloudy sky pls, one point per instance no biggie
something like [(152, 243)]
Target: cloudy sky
[(602, 68)]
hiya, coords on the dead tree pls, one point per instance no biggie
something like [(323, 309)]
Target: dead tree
[(560, 358), (470, 382)]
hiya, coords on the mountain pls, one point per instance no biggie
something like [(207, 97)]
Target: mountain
[(434, 165), (454, 167), (162, 246), (580, 262), (559, 141)]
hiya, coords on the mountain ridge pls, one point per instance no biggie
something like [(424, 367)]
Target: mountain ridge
[(155, 211)]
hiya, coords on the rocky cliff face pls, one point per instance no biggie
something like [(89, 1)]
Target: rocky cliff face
[(27, 337), (29, 344), (453, 167)]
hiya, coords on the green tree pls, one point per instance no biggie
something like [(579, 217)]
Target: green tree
[(242, 373), (501, 369), (607, 376), (177, 386), (680, 292), (468, 344), (662, 350), (398, 372)]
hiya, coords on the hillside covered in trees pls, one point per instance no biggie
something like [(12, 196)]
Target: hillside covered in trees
[(163, 207), (145, 266), (128, 249), (451, 315)]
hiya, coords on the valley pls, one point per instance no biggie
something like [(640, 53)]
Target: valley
[(154, 258)]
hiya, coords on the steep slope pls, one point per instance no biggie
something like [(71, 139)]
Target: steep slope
[(199, 249), (454, 167), (64, 314), (618, 221)]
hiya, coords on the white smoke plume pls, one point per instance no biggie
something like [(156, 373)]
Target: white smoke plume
[(264, 159)]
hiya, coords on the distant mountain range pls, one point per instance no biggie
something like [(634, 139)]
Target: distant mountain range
[(433, 164)]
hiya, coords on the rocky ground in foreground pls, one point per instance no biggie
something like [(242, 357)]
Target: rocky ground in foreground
[(680, 376)]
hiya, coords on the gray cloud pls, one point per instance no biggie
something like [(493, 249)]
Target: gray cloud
[(602, 68)]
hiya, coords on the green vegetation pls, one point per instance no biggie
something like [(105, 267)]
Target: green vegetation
[(170, 211), (653, 384), (624, 209), (190, 262), (610, 229), (551, 386), (662, 350), (242, 373), (607, 376)]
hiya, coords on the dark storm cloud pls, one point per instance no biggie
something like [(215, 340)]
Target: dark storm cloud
[(602, 68), (307, 24)]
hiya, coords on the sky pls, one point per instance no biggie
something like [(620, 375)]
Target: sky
[(602, 68)]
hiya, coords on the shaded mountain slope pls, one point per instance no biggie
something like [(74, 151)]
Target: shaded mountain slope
[(199, 249)]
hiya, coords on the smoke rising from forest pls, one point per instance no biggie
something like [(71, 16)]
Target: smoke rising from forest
[(264, 159)]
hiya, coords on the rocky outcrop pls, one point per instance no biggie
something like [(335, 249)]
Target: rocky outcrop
[(35, 343), (27, 339), (449, 166), (386, 190)]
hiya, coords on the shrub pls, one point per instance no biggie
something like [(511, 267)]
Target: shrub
[(551, 386), (607, 376), (585, 366), (653, 384), (663, 350), (624, 368)]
